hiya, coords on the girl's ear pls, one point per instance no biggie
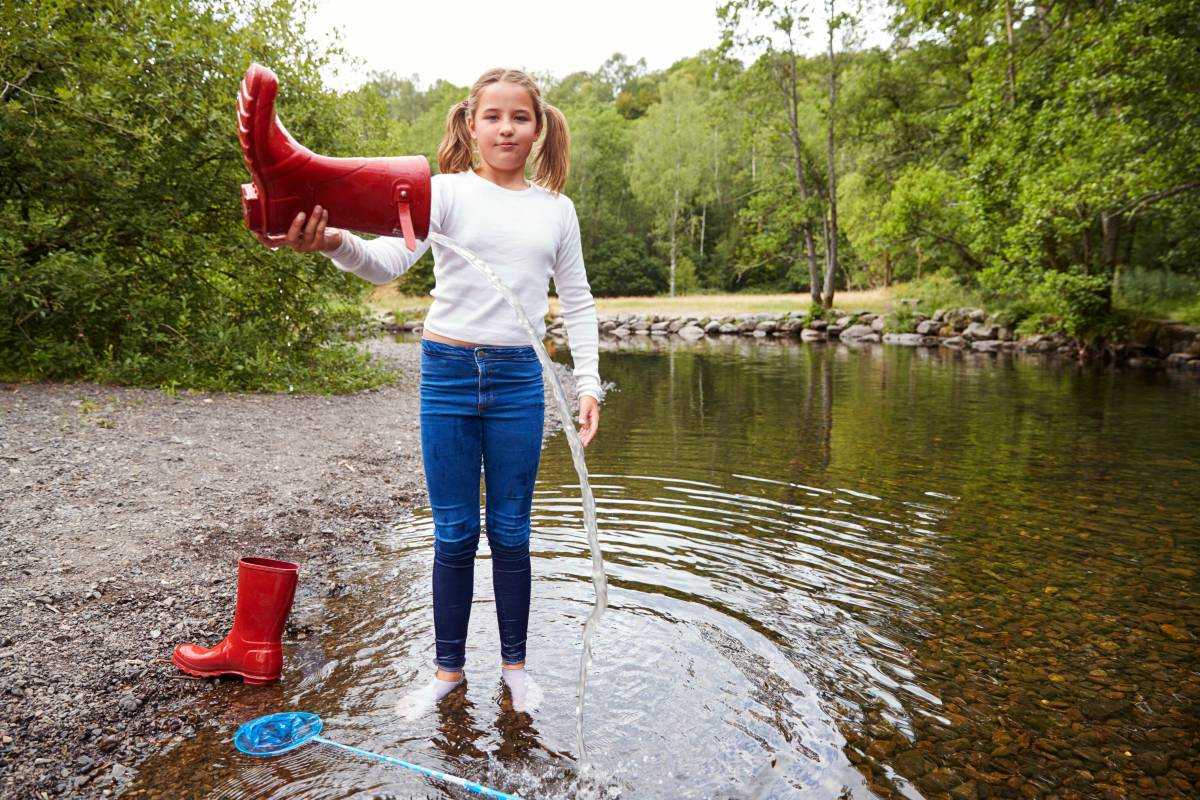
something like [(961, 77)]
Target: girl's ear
[(471, 125)]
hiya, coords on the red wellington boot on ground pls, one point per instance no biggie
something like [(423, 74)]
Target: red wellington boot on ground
[(252, 649), (385, 196)]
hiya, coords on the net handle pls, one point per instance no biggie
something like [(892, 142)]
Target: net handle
[(432, 773)]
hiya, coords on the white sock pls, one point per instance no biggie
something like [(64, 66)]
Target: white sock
[(425, 698), (526, 694)]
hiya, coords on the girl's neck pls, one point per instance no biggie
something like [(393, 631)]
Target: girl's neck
[(514, 180)]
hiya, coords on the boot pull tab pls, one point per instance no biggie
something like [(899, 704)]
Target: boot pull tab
[(402, 196)]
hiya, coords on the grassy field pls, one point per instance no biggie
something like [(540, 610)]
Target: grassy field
[(385, 299)]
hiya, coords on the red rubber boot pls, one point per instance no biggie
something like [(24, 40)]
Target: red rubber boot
[(385, 196), (252, 649)]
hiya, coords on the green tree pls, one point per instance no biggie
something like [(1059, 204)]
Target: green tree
[(664, 171)]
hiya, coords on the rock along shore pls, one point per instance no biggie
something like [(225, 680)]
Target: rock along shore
[(1169, 345), (1153, 345)]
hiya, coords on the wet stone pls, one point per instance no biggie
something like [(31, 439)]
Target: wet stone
[(939, 780), (1152, 763), (911, 763)]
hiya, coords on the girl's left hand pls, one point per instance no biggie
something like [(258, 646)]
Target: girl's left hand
[(589, 418)]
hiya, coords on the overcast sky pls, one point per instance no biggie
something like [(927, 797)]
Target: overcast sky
[(459, 40)]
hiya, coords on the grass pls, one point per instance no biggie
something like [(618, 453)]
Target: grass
[(1159, 294), (386, 299)]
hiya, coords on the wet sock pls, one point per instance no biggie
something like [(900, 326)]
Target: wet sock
[(526, 694), (424, 699)]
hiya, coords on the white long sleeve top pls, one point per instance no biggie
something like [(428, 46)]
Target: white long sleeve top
[(527, 237)]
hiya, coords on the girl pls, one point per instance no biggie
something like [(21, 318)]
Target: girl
[(481, 386)]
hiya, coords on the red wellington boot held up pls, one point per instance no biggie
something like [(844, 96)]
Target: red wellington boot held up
[(384, 196), (252, 649)]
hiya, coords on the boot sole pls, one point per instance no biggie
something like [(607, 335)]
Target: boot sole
[(252, 680)]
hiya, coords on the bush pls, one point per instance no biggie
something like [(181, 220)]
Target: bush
[(1080, 302), (123, 256), (624, 266), (902, 319)]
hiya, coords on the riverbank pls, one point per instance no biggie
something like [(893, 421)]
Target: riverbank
[(125, 511), (1151, 346)]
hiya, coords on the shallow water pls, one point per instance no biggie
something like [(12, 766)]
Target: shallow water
[(875, 573)]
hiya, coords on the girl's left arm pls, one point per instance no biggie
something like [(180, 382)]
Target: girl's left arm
[(579, 313)]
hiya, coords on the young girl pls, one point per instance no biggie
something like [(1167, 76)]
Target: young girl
[(481, 383)]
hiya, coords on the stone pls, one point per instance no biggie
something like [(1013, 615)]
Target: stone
[(818, 325), (1103, 709), (608, 326), (977, 330), (844, 321), (855, 333), (658, 326), (975, 314), (1152, 763), (833, 331), (1144, 362), (767, 326), (928, 327), (965, 791), (691, 333), (747, 326), (1175, 633), (713, 327), (939, 780), (620, 332), (877, 324), (954, 342), (675, 325), (728, 328), (911, 764), (810, 335), (904, 339)]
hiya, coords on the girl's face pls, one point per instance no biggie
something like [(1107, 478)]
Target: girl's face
[(504, 126)]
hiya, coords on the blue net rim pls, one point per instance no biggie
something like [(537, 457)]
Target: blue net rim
[(276, 734)]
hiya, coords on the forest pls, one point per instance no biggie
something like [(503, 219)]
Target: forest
[(1042, 158)]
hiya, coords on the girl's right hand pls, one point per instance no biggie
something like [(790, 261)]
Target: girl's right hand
[(309, 236)]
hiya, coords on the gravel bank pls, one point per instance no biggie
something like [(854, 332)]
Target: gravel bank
[(124, 513)]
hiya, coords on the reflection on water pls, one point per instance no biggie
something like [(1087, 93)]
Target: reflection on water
[(834, 573)]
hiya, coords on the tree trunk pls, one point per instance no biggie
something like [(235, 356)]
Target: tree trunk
[(887, 268), (674, 225), (814, 272), (832, 245), (1012, 66), (703, 219)]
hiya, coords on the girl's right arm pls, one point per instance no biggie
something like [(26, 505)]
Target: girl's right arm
[(376, 260)]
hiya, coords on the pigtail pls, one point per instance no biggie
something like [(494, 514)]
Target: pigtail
[(553, 157), (456, 153)]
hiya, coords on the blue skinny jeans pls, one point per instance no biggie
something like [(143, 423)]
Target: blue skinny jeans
[(480, 407)]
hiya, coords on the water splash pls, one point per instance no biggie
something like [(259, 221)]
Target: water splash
[(599, 581)]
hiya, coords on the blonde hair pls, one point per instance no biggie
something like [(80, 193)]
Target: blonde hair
[(552, 152)]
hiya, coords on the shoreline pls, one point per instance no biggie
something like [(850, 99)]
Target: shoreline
[(126, 511)]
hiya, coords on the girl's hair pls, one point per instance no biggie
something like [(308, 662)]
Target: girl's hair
[(552, 154)]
